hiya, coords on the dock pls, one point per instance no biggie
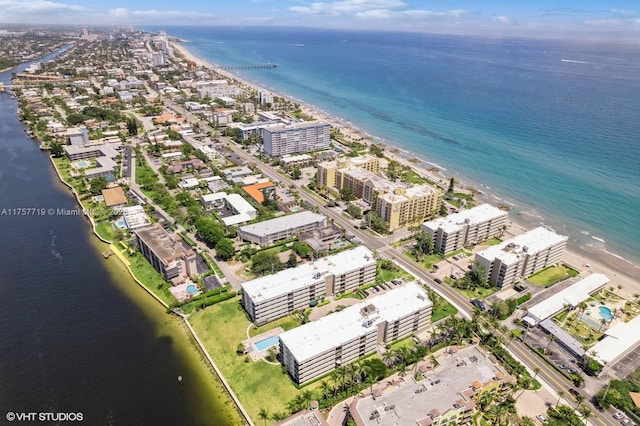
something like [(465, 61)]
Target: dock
[(246, 67)]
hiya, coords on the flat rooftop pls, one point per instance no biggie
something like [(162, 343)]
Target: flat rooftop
[(438, 392), (531, 242), (472, 216), (163, 244), (619, 339), (333, 330), (570, 296), (289, 280), (283, 223)]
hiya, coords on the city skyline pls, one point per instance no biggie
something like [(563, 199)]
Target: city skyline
[(544, 18)]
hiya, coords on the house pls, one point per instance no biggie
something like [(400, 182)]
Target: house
[(114, 198)]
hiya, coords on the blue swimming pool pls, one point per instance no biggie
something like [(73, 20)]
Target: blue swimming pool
[(605, 313), (263, 344), (192, 289), (83, 163)]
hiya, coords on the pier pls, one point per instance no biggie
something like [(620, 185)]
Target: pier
[(246, 67)]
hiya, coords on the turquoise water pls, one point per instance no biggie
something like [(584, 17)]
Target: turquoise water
[(192, 289), (549, 127), (263, 344), (605, 313)]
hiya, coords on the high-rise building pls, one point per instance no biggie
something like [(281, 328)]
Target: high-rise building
[(296, 138)]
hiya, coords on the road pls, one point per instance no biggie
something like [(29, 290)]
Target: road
[(546, 374)]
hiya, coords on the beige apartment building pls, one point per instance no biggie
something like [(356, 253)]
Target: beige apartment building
[(396, 203)]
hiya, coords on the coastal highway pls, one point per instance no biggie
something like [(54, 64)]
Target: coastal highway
[(547, 373)]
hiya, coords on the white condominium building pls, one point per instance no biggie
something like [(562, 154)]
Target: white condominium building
[(522, 256), (275, 296), (469, 227), (296, 138), (281, 228), (317, 348)]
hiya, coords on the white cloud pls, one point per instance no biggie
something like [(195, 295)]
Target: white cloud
[(415, 14), (38, 6), (502, 19), (347, 6)]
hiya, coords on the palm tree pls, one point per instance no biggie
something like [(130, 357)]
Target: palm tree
[(306, 397), (324, 388), (551, 339), (279, 415), (561, 393), (536, 371), (586, 413), (387, 357), (263, 414), (603, 322), (580, 398)]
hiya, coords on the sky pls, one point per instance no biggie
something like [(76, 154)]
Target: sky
[(455, 16)]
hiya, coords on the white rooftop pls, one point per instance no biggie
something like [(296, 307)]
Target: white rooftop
[(473, 216), (531, 242), (135, 217), (570, 296), (289, 280), (284, 223), (333, 330), (619, 339), (245, 211)]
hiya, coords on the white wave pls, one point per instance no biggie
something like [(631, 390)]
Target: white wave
[(585, 233), (598, 239), (574, 61)]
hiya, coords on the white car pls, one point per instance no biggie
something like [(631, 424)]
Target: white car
[(542, 418), (618, 415)]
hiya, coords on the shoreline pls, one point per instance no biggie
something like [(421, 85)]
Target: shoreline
[(611, 264), (124, 263)]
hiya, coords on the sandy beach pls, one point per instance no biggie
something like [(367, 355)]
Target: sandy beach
[(619, 271)]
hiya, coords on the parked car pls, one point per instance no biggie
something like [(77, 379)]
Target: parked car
[(435, 266), (542, 418), (563, 366), (618, 415), (574, 392), (625, 422), (478, 304), (572, 371)]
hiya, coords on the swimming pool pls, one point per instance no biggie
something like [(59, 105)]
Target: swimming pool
[(605, 313), (263, 344), (83, 164), (192, 289)]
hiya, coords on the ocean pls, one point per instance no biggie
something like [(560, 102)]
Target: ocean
[(77, 335), (549, 127)]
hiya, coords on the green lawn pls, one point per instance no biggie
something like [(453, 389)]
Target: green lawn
[(257, 384), (143, 271), (385, 275), (142, 172), (478, 293), (287, 323), (493, 241), (442, 309), (552, 275), (412, 177), (104, 230), (457, 252), (407, 343), (430, 260)]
